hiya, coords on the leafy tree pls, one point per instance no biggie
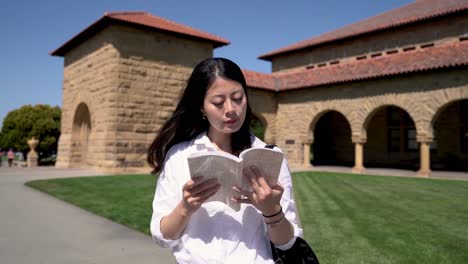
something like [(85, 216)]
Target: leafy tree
[(257, 128), (39, 121)]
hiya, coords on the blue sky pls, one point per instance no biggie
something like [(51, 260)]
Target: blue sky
[(31, 29)]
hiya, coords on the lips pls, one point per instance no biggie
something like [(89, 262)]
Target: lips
[(232, 121)]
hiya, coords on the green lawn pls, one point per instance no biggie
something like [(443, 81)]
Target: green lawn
[(347, 218), (125, 199)]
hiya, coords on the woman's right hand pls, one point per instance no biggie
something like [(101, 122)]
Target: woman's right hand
[(196, 191)]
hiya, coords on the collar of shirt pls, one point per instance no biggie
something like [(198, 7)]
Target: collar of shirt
[(204, 143)]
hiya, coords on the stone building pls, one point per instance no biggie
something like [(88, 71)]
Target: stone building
[(122, 77), (390, 91)]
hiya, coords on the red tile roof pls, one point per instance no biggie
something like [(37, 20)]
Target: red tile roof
[(411, 13), (140, 19), (418, 60), (260, 80)]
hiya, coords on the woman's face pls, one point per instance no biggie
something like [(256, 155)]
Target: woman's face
[(225, 106)]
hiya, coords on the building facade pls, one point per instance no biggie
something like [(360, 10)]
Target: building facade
[(388, 91)]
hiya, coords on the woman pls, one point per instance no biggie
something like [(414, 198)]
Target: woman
[(214, 115)]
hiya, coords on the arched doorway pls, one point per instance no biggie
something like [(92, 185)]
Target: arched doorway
[(391, 140), (332, 141), (80, 135), (450, 148)]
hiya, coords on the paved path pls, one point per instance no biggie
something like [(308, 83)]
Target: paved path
[(37, 228)]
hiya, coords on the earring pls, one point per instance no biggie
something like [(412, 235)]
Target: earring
[(204, 117)]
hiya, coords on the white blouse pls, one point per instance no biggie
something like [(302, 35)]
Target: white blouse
[(216, 233)]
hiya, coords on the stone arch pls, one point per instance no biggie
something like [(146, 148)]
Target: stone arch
[(391, 138), (439, 103), (315, 116), (330, 135), (81, 130), (449, 131), (364, 114)]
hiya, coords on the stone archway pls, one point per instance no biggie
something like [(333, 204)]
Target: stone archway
[(391, 139), (332, 140), (81, 131), (449, 150)]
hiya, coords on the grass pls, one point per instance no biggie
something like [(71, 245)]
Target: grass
[(126, 199), (347, 218)]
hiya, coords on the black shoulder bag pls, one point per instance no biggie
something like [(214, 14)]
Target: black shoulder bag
[(299, 253)]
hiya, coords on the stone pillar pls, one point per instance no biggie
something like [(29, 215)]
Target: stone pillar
[(358, 158), (306, 149), (425, 158), (32, 154)]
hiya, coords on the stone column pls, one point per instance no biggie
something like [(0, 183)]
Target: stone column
[(425, 158), (358, 157), (306, 149)]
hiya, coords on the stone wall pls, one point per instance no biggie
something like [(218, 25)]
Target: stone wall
[(153, 70), (264, 106), (422, 96), (89, 79), (130, 80)]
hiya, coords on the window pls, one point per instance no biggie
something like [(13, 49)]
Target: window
[(401, 131), (394, 140), (411, 143)]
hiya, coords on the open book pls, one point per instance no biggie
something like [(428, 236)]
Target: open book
[(228, 168)]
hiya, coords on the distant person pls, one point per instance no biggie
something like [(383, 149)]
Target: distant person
[(1, 156), (11, 157)]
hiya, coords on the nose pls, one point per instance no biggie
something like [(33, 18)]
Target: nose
[(229, 107)]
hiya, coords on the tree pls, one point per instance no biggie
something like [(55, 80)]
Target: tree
[(39, 121), (257, 127)]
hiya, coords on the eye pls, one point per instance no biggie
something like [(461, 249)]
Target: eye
[(218, 104), (238, 98)]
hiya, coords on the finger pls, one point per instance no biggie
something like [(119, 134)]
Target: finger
[(205, 195), (208, 196), (242, 192), (192, 182), (263, 183), (236, 189), (278, 187), (201, 197), (200, 188), (252, 178)]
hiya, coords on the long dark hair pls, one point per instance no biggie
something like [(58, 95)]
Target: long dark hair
[(187, 120)]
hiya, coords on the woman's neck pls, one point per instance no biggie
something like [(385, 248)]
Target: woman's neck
[(220, 140)]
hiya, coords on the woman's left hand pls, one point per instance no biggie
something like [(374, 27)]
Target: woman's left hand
[(264, 197)]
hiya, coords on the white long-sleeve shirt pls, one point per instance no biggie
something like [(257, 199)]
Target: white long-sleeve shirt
[(216, 233)]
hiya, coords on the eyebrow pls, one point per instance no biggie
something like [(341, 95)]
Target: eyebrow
[(222, 95)]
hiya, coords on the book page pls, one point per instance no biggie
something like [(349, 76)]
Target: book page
[(222, 167), (267, 161)]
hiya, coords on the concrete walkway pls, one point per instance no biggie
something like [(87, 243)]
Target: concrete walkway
[(37, 228)]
